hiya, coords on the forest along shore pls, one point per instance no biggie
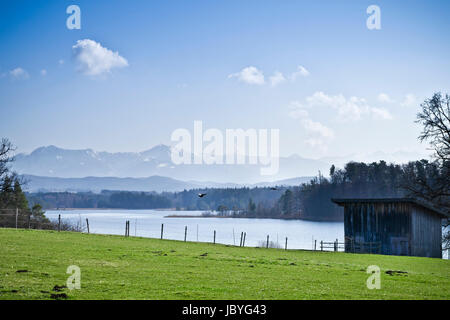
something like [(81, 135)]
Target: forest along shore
[(251, 217)]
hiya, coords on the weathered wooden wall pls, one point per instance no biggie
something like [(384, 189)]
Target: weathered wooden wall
[(401, 228), (426, 233), (387, 223)]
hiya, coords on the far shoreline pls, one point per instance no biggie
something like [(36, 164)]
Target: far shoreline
[(196, 216), (243, 217), (156, 209)]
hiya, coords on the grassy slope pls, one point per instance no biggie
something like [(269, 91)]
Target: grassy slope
[(114, 267)]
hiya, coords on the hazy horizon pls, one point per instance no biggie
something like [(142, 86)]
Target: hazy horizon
[(426, 154), (133, 74)]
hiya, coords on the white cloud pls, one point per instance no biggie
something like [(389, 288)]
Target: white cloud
[(61, 61), (301, 72), (409, 101), (43, 72), (383, 97), (381, 113), (348, 109), (94, 59), (277, 78), (250, 75), (297, 110), (317, 143), (319, 135), (253, 75), (318, 128), (19, 73)]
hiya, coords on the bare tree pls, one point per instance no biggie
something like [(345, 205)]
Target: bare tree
[(6, 148), (431, 180), (435, 118)]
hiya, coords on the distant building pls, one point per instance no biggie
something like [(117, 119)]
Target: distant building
[(396, 226)]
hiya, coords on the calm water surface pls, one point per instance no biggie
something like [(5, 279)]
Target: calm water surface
[(147, 223)]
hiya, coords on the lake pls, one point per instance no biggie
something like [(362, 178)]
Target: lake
[(147, 223)]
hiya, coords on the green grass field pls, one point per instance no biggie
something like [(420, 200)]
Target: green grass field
[(115, 267)]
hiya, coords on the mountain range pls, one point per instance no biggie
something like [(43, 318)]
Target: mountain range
[(153, 183), (52, 161), (57, 169)]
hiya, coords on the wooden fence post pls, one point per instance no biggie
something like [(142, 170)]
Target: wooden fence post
[(315, 245), (29, 221), (162, 230), (87, 224), (243, 241), (285, 246), (321, 245), (126, 227), (242, 236), (59, 222), (267, 244), (214, 237), (185, 233)]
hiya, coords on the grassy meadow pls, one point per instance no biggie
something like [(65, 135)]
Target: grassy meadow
[(33, 265)]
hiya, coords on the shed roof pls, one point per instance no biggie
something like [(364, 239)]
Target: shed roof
[(416, 202)]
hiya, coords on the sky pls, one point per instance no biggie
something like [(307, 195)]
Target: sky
[(136, 71)]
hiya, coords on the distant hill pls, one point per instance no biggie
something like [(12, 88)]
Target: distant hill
[(52, 161), (285, 182), (153, 183), (96, 184)]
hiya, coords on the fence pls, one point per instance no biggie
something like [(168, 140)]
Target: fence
[(191, 234), (24, 219), (349, 245), (15, 218), (362, 247), (336, 245)]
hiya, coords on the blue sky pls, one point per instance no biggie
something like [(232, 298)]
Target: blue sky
[(359, 90)]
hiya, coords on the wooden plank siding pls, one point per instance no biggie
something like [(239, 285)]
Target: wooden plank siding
[(388, 223), (426, 234), (399, 226)]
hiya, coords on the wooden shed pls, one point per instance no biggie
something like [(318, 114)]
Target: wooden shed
[(393, 226)]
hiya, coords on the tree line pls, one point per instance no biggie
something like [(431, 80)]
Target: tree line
[(14, 207), (217, 199), (427, 180)]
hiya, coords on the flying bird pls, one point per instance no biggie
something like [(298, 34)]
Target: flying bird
[(201, 195)]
